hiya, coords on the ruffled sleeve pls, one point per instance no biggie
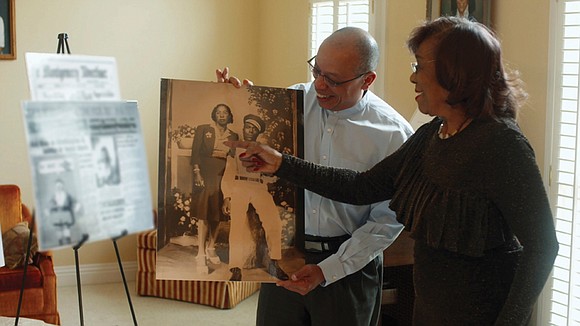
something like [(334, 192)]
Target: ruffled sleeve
[(437, 198)]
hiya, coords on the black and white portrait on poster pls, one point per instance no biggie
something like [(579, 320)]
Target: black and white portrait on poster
[(217, 221)]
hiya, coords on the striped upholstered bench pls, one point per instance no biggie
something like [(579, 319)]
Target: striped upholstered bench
[(223, 295)]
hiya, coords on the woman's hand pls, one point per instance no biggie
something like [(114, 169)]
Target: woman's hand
[(223, 76), (257, 157), (197, 178)]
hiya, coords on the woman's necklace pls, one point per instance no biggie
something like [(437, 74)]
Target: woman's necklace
[(446, 135)]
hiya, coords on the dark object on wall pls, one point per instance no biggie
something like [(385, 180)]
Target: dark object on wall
[(8, 30), (479, 10)]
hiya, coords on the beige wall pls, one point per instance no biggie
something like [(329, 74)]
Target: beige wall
[(185, 39), (263, 40), (525, 45), (524, 36)]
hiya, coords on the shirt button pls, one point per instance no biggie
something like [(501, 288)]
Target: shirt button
[(313, 211), (324, 157), (329, 129)]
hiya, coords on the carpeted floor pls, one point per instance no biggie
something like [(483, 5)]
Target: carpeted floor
[(107, 305)]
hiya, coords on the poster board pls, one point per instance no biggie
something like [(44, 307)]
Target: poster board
[(189, 127), (89, 171)]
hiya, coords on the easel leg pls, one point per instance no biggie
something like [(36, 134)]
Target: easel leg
[(124, 279), (24, 271), (76, 249)]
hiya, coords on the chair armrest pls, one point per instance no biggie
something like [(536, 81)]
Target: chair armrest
[(48, 283), (45, 264)]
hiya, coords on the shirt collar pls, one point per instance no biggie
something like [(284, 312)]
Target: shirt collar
[(358, 107)]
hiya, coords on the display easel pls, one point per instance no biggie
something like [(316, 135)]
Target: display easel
[(62, 44), (78, 273)]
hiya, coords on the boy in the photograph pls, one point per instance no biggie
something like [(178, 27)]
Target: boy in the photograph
[(240, 189)]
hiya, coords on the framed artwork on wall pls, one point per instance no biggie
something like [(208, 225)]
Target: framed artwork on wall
[(475, 10), (7, 30), (217, 221)]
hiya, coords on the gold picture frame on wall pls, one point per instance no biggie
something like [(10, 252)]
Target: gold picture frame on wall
[(475, 10), (7, 30)]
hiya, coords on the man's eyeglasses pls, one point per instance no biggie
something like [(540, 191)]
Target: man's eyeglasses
[(317, 73)]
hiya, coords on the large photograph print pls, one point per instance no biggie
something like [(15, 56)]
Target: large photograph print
[(216, 220)]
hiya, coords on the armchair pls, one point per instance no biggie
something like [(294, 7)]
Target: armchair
[(39, 300)]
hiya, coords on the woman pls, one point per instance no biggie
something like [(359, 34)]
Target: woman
[(208, 158), (466, 185)]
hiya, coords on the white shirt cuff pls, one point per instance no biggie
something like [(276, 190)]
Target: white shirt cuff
[(332, 269)]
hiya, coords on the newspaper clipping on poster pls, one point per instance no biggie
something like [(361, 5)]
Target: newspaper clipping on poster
[(58, 77), (89, 169)]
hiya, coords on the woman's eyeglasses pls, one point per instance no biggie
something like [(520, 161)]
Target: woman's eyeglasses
[(415, 66)]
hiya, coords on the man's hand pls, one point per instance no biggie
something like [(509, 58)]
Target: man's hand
[(223, 76), (304, 280)]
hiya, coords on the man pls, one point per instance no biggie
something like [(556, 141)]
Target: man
[(462, 9), (240, 189), (345, 125)]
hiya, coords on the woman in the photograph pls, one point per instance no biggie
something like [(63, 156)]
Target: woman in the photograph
[(208, 160)]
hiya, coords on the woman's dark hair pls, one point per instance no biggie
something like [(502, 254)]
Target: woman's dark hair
[(214, 112), (468, 63)]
